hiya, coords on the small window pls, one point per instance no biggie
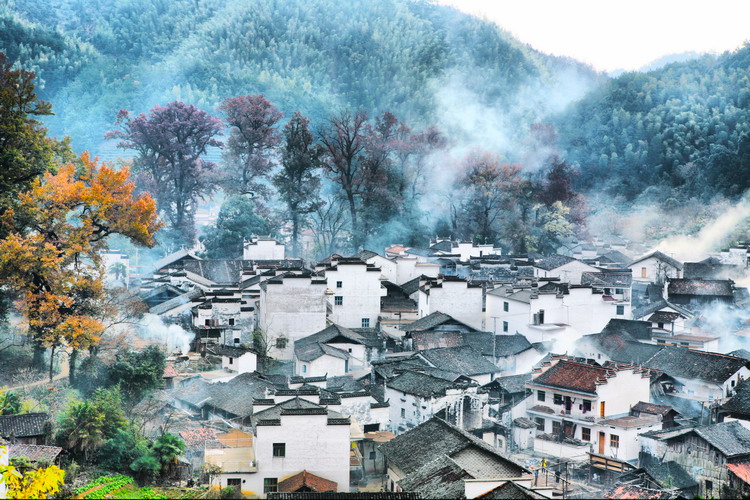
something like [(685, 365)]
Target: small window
[(540, 395), (620, 310), (338, 300), (684, 344), (619, 291), (372, 455), (231, 321), (236, 341), (279, 449), (558, 399), (660, 325), (506, 306), (505, 326), (403, 413), (234, 482), (207, 323), (660, 341), (281, 343), (270, 485), (614, 441), (539, 424), (339, 284), (304, 368), (586, 405), (644, 273), (556, 427), (585, 434), (365, 322), (607, 291), (231, 360), (709, 485)]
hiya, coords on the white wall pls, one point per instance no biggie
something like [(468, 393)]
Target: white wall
[(263, 250), (655, 268), (456, 299), (311, 444), (361, 290), (294, 309), (568, 273), (246, 363)]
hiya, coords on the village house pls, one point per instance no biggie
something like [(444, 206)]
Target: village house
[(237, 359), (463, 360), (336, 350), (397, 309), (552, 312), (669, 477), (698, 293), (297, 446), (453, 296), (656, 267), (263, 248), (703, 451), (292, 306), (436, 459), (355, 289), (567, 269), (577, 404), (26, 428)]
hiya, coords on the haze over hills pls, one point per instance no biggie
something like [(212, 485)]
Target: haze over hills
[(680, 130)]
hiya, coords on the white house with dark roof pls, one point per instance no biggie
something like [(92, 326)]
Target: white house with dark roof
[(355, 289), (336, 351), (566, 268), (455, 297), (263, 248), (656, 267), (237, 359)]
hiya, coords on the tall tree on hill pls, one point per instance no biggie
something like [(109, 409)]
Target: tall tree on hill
[(170, 142), (298, 182), (345, 139), (253, 139)]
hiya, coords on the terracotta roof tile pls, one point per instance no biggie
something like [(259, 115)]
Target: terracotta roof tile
[(305, 479)]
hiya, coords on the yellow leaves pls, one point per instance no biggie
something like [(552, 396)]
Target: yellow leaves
[(80, 332), (39, 483)]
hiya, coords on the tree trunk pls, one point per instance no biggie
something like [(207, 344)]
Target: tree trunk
[(51, 362), (356, 236), (72, 367), (295, 234), (38, 355)]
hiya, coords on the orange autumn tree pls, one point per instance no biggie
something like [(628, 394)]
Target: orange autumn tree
[(51, 256)]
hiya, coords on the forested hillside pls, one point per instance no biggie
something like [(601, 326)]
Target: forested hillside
[(317, 56), (679, 132)]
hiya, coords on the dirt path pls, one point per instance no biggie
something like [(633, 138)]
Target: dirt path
[(64, 372)]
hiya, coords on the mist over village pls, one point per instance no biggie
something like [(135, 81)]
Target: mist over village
[(367, 249)]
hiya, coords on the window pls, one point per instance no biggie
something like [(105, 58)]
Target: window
[(231, 361), (620, 310), (539, 424), (338, 300), (558, 399), (660, 341), (234, 482), (709, 485), (644, 273), (506, 306), (279, 449), (614, 441), (270, 485), (586, 405), (540, 395), (403, 413), (365, 322), (208, 322), (556, 427), (372, 455), (585, 434), (339, 284), (607, 291), (684, 344), (231, 321), (620, 291), (660, 325), (505, 326), (601, 409), (236, 341), (281, 343)]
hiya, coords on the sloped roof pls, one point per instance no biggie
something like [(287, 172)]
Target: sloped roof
[(169, 371), (293, 406), (663, 317), (441, 478), (512, 491), (311, 352), (741, 470), (231, 351), (512, 383), (433, 320), (652, 408), (621, 347), (24, 425), (235, 396), (198, 437), (730, 438), (218, 271), (669, 475), (174, 257), (648, 309), (419, 384), (510, 345), (364, 255), (702, 288), (639, 330), (462, 359), (740, 401), (661, 256), (553, 262), (180, 300), (436, 438), (740, 353), (34, 452), (332, 332), (626, 492), (573, 376), (412, 285), (690, 364), (308, 480)]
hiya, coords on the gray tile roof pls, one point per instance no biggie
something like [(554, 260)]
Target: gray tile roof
[(462, 359), (730, 438), (740, 401), (433, 320), (553, 262), (436, 438), (235, 396), (669, 475), (607, 279), (648, 309), (294, 406), (511, 491), (419, 384), (336, 332), (513, 383), (231, 351), (510, 345), (24, 425), (698, 287), (740, 353), (311, 352), (34, 452), (441, 478), (690, 364), (661, 256), (639, 330), (180, 300)]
